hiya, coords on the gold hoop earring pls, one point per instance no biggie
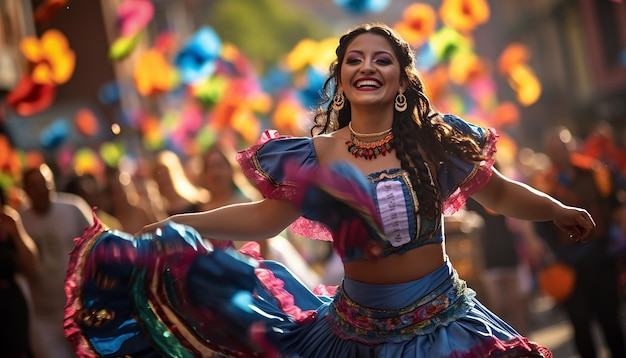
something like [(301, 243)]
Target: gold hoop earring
[(400, 103), (338, 101)]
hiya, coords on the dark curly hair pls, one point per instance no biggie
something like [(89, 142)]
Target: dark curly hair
[(423, 131)]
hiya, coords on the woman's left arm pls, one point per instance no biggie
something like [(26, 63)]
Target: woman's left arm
[(515, 199)]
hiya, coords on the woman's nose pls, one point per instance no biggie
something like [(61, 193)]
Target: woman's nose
[(367, 67)]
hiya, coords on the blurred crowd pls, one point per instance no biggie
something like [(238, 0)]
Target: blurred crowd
[(512, 264)]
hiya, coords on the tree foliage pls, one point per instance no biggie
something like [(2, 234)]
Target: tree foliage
[(265, 30)]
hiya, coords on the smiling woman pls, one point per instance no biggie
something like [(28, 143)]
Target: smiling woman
[(400, 296)]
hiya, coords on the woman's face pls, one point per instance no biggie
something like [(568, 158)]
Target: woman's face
[(370, 72)]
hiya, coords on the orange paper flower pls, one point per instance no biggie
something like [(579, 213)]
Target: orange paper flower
[(52, 58), (153, 74), (86, 122), (464, 15), (418, 23), (514, 54), (505, 114)]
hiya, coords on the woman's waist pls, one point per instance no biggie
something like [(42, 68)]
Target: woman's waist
[(374, 314), (397, 268)]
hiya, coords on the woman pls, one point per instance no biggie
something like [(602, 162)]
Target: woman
[(376, 177), (18, 255), (218, 176)]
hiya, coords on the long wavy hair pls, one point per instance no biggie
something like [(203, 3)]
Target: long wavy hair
[(424, 136)]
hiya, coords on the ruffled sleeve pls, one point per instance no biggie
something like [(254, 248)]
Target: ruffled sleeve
[(264, 164), (460, 179)]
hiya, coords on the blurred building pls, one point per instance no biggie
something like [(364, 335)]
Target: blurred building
[(578, 51)]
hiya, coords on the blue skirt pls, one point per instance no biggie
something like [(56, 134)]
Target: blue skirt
[(174, 295)]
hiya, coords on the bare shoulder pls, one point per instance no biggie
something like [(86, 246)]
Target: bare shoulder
[(326, 146)]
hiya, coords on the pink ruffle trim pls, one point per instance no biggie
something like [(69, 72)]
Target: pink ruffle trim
[(476, 180), (493, 346), (248, 162), (276, 286), (73, 281)]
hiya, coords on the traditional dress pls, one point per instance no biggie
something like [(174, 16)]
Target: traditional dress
[(173, 294)]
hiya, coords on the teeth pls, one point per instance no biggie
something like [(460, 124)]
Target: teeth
[(367, 83)]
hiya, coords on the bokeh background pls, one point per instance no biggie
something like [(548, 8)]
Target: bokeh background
[(90, 85), (86, 83)]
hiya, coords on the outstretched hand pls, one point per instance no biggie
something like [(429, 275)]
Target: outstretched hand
[(576, 222)]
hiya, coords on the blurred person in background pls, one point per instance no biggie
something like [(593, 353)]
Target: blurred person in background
[(178, 192), (88, 187), (225, 185), (125, 201), (53, 219), (221, 175), (580, 180), (506, 244), (18, 256)]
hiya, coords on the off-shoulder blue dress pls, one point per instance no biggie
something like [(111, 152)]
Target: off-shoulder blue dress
[(173, 294)]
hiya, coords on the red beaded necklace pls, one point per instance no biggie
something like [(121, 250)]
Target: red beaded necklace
[(369, 150)]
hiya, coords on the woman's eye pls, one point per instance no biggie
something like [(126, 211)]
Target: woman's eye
[(351, 61), (383, 61)]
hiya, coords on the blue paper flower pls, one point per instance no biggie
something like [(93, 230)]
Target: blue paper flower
[(197, 60), (55, 134), (359, 7)]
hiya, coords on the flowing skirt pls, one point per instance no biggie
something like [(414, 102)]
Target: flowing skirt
[(172, 294)]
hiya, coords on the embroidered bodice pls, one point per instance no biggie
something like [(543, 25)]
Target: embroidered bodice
[(391, 193)]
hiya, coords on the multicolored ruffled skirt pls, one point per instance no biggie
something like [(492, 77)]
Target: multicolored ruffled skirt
[(171, 294)]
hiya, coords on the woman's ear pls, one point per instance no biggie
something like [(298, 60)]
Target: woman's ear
[(403, 85)]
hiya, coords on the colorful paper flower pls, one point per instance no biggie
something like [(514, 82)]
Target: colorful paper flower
[(506, 114), (123, 46), (87, 161), (86, 122), (52, 58), (47, 9), (54, 134), (111, 153), (153, 74), (150, 127), (28, 97), (210, 91), (309, 52), (360, 7), (525, 84), (467, 67), (514, 54), (464, 15), (448, 42), (133, 16), (10, 161), (289, 115), (197, 59), (419, 21)]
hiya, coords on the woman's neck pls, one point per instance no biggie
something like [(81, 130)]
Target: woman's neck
[(371, 120)]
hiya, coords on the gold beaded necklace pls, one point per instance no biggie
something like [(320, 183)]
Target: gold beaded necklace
[(369, 150)]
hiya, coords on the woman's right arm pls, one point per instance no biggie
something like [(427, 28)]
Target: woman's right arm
[(253, 221)]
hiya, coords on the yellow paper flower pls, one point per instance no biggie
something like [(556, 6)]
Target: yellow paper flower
[(526, 85), (311, 53), (52, 58)]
